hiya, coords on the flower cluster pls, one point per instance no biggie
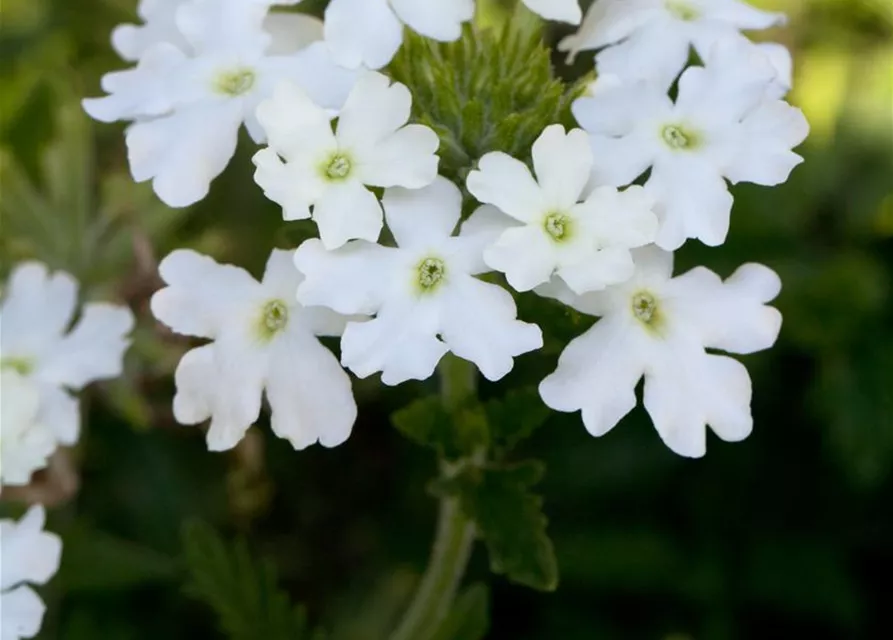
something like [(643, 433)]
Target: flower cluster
[(44, 360), (395, 272)]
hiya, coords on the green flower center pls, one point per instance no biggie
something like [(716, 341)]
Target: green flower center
[(645, 308), (431, 272), (558, 226), (678, 138), (273, 319), (683, 10), (22, 366), (235, 82), (338, 167)]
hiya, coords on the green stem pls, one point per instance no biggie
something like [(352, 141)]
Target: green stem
[(455, 533)]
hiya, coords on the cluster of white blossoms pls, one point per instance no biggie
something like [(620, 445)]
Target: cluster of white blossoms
[(395, 271), (45, 358)]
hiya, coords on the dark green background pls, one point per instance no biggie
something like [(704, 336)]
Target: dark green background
[(789, 534)]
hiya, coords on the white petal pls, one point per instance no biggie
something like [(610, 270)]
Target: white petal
[(686, 389), (656, 53), (401, 342), (611, 265), (507, 184), (597, 373), (347, 211), (560, 10), (37, 308), (562, 162), (621, 218), (423, 217), (183, 152), (202, 295), (608, 22), (693, 202), (60, 414), (653, 264), (374, 110), (351, 280), (482, 228), (480, 324), (405, 158), (309, 393), (281, 277), (780, 58), (764, 142), (742, 15), (525, 255), (615, 107), (231, 28), (195, 378), (292, 187), (294, 124), (22, 613), (362, 32), (29, 553), (94, 350), (291, 32), (438, 19)]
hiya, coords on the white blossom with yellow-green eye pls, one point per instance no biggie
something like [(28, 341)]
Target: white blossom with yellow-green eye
[(263, 341), (660, 327), (726, 123), (309, 165), (30, 557), (584, 238), (188, 101), (652, 39), (53, 357), (423, 293)]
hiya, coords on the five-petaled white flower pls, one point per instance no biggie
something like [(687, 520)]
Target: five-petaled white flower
[(263, 340), (369, 32), (30, 556), (586, 243), (652, 38), (188, 104), (659, 327), (726, 123), (25, 442), (423, 289), (37, 311), (372, 145)]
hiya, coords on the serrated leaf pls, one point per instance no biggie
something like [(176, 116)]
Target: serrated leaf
[(510, 519), (453, 435), (515, 417), (242, 591), (469, 619)]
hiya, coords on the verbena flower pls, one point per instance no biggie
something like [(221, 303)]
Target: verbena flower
[(369, 32), (263, 341), (652, 38), (660, 327), (30, 557), (25, 442), (586, 243), (187, 104), (726, 124), (52, 361), (372, 145), (423, 293)]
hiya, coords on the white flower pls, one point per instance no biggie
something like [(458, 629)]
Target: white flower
[(263, 340), (586, 243), (290, 31), (37, 311), (369, 32), (423, 289), (25, 442), (652, 38), (658, 327), (373, 145), (30, 556), (726, 123), (188, 104), (561, 10)]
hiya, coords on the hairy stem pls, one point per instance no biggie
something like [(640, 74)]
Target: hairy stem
[(455, 533)]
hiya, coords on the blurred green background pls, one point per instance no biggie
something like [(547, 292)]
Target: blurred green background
[(789, 534)]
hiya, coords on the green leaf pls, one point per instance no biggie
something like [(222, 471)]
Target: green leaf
[(242, 591), (516, 416), (426, 422), (510, 519), (469, 619)]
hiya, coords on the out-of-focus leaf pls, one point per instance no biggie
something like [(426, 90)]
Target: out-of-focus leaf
[(469, 618), (452, 435), (516, 416)]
